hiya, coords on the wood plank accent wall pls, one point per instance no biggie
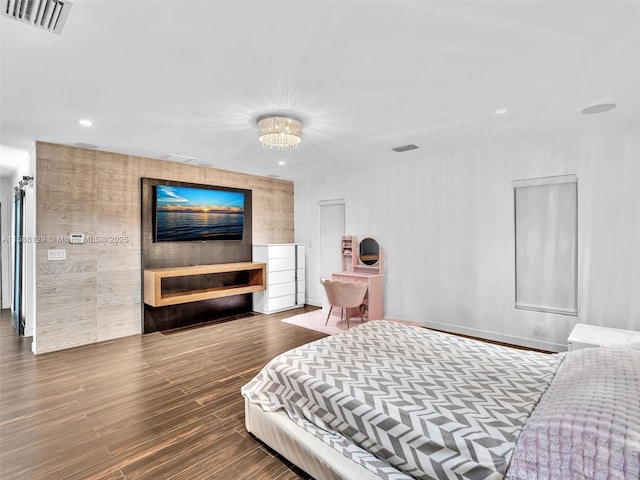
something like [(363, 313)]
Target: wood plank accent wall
[(96, 295)]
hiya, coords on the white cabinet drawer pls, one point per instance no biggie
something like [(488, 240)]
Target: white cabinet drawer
[(282, 251), (278, 264), (282, 302), (282, 289), (284, 276)]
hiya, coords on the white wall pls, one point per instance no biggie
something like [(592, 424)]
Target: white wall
[(30, 205), (446, 224), (23, 161), (6, 201)]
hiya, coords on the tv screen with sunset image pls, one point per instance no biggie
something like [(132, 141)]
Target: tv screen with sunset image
[(186, 213)]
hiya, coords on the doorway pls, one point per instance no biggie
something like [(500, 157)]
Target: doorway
[(332, 228)]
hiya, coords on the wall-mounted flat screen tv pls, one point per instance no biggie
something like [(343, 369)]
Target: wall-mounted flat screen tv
[(197, 214)]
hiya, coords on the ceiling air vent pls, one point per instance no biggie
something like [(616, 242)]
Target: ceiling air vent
[(404, 148), (174, 157), (50, 15)]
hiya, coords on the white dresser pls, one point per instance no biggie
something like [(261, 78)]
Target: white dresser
[(285, 277), (584, 336)]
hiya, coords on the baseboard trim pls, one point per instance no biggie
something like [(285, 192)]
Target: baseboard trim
[(475, 332), (498, 337)]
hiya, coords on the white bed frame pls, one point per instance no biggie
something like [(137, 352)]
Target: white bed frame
[(300, 447)]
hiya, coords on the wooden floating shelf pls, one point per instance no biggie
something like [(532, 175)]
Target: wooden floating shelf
[(154, 297)]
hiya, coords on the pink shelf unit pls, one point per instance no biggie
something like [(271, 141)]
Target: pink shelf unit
[(348, 243), (353, 270)]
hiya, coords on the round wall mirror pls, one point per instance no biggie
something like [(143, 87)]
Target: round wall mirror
[(369, 251)]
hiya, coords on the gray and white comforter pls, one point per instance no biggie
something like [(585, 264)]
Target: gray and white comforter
[(422, 403)]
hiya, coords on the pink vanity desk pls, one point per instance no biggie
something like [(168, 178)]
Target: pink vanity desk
[(354, 270), (373, 298)]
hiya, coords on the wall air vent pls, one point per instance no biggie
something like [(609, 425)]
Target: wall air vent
[(50, 15), (404, 148)]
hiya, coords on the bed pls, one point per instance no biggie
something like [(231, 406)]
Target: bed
[(391, 401)]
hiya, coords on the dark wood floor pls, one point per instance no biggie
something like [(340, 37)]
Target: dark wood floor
[(157, 406)]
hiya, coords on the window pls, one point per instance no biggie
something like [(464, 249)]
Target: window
[(546, 231)]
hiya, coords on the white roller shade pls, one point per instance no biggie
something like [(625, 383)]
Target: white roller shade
[(546, 230)]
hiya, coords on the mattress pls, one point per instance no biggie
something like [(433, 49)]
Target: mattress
[(302, 448)]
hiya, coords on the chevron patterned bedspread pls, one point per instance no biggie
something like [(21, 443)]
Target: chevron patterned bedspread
[(404, 400)]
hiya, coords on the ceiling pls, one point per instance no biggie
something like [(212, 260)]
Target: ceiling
[(190, 78)]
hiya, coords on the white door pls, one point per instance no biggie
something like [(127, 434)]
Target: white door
[(332, 228)]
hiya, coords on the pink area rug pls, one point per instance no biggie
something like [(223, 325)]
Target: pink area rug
[(315, 321)]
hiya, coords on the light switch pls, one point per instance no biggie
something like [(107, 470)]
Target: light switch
[(56, 255)]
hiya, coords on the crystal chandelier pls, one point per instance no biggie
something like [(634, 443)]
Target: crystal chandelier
[(279, 133)]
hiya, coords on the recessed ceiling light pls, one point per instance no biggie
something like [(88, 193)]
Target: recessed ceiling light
[(282, 162), (500, 111), (85, 123), (601, 108)]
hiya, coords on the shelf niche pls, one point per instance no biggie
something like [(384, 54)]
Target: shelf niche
[(173, 286)]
